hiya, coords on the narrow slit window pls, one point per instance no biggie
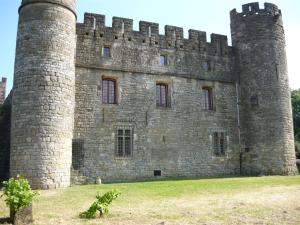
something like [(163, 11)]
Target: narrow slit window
[(207, 98), (123, 28), (94, 23)]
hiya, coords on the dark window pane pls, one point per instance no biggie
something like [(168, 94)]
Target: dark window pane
[(219, 143), (108, 91), (77, 153), (222, 144), (127, 132), (124, 142), (120, 132), (120, 146), (161, 95), (106, 52), (216, 144), (127, 146)]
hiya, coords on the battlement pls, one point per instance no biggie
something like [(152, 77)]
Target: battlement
[(173, 37), (253, 9)]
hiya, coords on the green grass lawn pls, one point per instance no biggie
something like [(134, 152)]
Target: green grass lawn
[(244, 200)]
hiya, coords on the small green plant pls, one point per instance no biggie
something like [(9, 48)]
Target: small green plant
[(101, 204), (18, 193)]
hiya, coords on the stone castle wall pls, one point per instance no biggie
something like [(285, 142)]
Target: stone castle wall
[(266, 112), (176, 140), (2, 90), (43, 96), (248, 83)]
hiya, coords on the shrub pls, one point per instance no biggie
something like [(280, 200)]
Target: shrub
[(101, 204), (18, 193)]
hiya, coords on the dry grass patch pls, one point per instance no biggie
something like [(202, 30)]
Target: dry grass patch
[(259, 200)]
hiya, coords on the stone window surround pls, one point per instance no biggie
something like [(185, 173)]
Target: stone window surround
[(211, 86), (132, 138), (117, 89), (106, 51), (169, 93), (163, 59), (226, 138)]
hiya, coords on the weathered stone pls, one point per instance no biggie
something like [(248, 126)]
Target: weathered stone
[(173, 141), (2, 90), (45, 49), (22, 217)]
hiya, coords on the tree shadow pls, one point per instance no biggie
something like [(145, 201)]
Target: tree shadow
[(5, 220)]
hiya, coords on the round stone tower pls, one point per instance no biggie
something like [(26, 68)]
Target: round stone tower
[(43, 93), (265, 103)]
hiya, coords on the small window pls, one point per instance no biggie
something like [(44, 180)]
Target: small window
[(161, 95), (219, 143), (108, 91), (77, 153), (124, 142), (163, 60), (254, 101), (207, 65), (207, 95), (157, 173), (106, 52)]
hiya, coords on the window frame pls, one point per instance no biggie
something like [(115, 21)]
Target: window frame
[(207, 65), (208, 100), (124, 153), (77, 153), (107, 101), (219, 144), (160, 103), (165, 60), (104, 52)]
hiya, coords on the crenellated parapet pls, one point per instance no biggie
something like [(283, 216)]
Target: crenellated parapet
[(253, 9), (148, 33)]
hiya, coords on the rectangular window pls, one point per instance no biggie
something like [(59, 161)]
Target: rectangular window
[(124, 142), (77, 153), (108, 91), (207, 98), (161, 95), (219, 143), (106, 51), (163, 60), (207, 65)]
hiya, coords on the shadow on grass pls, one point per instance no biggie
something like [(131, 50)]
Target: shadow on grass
[(180, 179), (5, 220)]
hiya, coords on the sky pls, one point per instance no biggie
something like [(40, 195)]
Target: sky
[(211, 16)]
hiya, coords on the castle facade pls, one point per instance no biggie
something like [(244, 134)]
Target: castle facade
[(93, 101)]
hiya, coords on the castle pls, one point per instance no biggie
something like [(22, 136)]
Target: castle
[(119, 104)]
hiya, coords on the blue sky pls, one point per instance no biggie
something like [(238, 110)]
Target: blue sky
[(211, 16)]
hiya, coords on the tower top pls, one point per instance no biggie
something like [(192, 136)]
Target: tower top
[(69, 4), (253, 9)]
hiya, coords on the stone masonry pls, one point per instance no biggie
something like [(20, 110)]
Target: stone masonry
[(43, 93), (2, 90), (227, 108)]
